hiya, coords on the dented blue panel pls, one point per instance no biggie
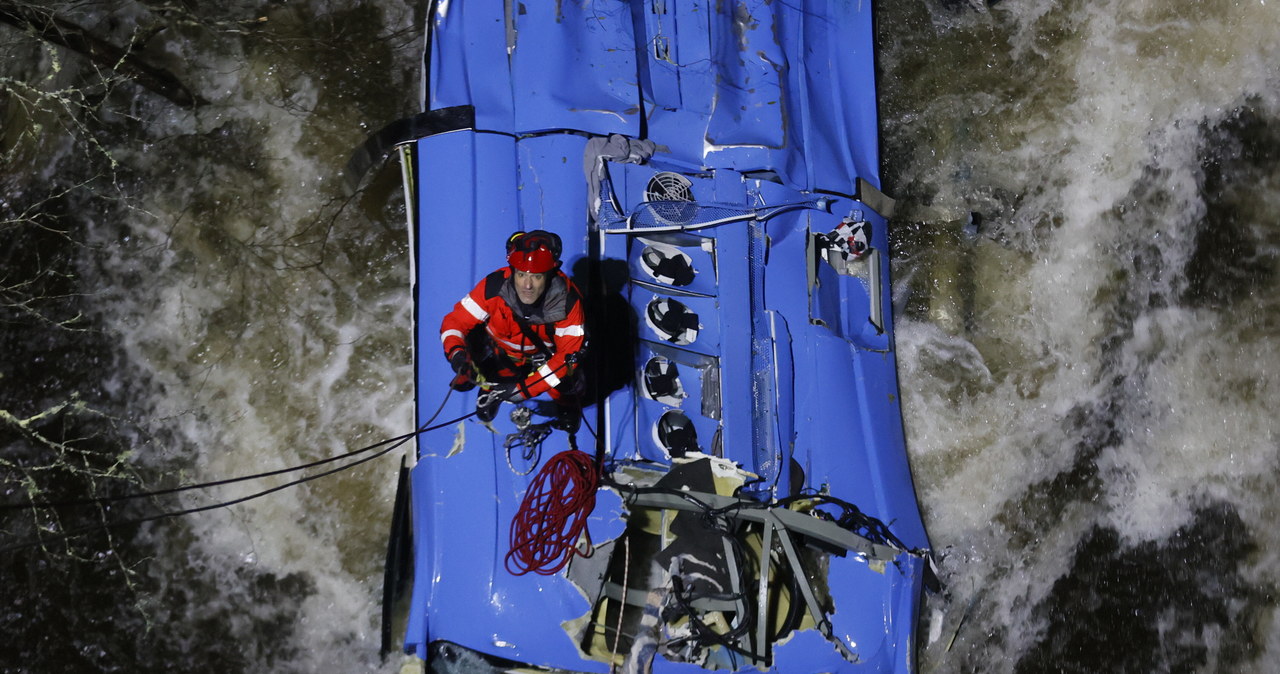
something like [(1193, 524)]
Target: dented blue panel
[(745, 86), (470, 199), (467, 63), (833, 95), (766, 112), (550, 190), (574, 68)]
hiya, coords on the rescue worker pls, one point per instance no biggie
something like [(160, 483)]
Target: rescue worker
[(532, 336)]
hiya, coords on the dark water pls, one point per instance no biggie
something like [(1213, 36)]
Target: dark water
[(237, 312), (1088, 381)]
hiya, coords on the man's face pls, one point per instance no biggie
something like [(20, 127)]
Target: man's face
[(529, 287)]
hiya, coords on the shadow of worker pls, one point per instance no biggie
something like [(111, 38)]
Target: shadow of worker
[(609, 363)]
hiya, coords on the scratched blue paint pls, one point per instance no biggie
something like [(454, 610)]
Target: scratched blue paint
[(756, 103)]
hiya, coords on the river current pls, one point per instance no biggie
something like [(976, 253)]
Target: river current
[(1089, 366)]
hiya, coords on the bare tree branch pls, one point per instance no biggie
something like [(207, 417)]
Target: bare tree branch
[(47, 26)]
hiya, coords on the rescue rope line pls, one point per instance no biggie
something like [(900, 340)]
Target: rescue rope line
[(622, 605), (398, 440), (202, 485), (66, 535), (553, 515)]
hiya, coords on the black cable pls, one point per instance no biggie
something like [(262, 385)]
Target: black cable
[(400, 439), (202, 485), (852, 519), (188, 511)]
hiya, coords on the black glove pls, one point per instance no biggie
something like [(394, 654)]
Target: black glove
[(464, 374)]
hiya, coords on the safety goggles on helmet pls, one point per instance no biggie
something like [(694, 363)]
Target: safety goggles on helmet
[(535, 252)]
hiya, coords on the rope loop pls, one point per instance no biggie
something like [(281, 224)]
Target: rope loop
[(553, 515)]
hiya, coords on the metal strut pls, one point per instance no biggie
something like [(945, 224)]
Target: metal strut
[(781, 523)]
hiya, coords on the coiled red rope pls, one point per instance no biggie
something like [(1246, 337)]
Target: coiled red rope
[(553, 515)]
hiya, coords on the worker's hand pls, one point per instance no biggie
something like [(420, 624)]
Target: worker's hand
[(464, 374), (459, 360)]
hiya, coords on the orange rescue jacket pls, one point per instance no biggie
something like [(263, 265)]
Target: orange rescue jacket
[(557, 321)]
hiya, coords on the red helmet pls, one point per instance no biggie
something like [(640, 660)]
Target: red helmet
[(535, 252)]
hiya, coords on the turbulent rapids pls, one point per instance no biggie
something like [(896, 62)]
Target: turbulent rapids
[(1088, 369)]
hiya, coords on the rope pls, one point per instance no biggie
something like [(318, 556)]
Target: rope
[(398, 440), (622, 605), (553, 515), (72, 533), (202, 485), (530, 440)]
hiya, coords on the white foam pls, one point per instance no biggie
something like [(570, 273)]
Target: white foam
[(259, 360), (1104, 156)]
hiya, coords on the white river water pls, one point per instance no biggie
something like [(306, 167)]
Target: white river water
[(1088, 384)]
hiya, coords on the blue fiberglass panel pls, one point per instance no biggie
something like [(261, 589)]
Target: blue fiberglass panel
[(873, 619), (418, 626), (771, 86), (575, 68), (893, 497), (465, 496), (833, 95), (859, 327), (460, 208), (551, 191), (732, 245), (696, 69), (529, 71), (747, 108), (463, 209), (768, 86), (661, 66), (468, 62)]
